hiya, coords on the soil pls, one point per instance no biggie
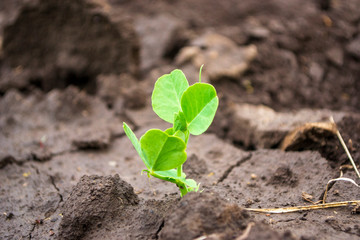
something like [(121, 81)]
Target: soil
[(71, 73)]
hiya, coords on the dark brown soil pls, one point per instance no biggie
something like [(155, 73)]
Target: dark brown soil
[(72, 72), (206, 214)]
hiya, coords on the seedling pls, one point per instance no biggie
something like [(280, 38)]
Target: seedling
[(191, 110)]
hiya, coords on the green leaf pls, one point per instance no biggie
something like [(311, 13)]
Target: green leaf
[(187, 134), (185, 185), (184, 135), (191, 185), (180, 122), (169, 175), (167, 94), (163, 152), (199, 104), (180, 134), (170, 131), (135, 142)]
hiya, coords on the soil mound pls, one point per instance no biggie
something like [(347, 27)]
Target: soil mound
[(92, 200)]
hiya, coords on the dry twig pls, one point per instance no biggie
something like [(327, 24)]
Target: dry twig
[(246, 232), (345, 147), (305, 208)]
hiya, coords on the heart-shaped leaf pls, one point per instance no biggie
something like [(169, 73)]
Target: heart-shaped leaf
[(184, 135), (135, 143), (167, 93), (162, 151), (199, 104)]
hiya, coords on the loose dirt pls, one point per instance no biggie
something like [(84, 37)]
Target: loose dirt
[(67, 171)]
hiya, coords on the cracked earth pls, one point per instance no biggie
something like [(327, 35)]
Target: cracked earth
[(67, 170)]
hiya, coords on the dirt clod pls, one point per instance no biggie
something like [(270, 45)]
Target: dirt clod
[(208, 215), (68, 43), (72, 71), (92, 200), (203, 214), (283, 176)]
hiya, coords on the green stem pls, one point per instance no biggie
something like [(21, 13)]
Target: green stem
[(200, 73), (183, 190), (179, 171)]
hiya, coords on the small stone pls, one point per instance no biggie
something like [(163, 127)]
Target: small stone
[(259, 32), (276, 26), (316, 72), (112, 163), (221, 56), (353, 47), (336, 56)]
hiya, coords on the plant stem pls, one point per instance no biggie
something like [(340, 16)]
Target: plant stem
[(179, 171), (183, 190), (200, 73)]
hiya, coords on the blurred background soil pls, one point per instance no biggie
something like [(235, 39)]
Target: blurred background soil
[(72, 71)]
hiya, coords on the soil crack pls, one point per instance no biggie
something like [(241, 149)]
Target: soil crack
[(159, 230), (237, 164), (287, 220), (31, 231), (9, 160), (52, 180)]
